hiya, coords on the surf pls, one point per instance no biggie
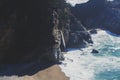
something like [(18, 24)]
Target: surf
[(80, 64)]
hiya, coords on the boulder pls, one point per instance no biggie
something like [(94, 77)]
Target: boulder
[(94, 51), (104, 14), (93, 31)]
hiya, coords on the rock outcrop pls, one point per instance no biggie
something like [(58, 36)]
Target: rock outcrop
[(103, 14), (26, 30), (38, 30), (94, 51), (93, 31), (79, 36)]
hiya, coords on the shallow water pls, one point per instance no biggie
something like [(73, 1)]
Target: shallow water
[(82, 65)]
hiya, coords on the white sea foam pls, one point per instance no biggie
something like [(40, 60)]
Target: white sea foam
[(82, 65), (73, 2)]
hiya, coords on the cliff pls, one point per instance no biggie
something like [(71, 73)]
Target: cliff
[(37, 30), (26, 30), (99, 14)]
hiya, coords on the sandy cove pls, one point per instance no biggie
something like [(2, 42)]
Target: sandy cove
[(51, 73)]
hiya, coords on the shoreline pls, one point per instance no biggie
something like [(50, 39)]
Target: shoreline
[(51, 73)]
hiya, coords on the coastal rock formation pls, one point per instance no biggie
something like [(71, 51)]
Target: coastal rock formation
[(94, 51), (79, 36), (103, 14), (26, 30), (37, 30), (93, 31), (90, 9)]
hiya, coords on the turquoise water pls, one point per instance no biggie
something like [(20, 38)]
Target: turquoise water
[(108, 75), (82, 65), (110, 48)]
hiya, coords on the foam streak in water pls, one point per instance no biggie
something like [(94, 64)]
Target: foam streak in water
[(86, 67)]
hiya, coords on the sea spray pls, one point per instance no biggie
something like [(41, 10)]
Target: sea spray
[(82, 65)]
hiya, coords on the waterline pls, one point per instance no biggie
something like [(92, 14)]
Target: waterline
[(82, 65)]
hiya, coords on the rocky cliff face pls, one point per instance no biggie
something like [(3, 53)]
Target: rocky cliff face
[(78, 36), (25, 29), (36, 30), (99, 14)]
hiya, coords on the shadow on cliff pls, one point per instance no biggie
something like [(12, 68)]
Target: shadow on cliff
[(28, 34), (23, 69)]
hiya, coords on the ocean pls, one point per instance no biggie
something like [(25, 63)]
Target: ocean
[(80, 64)]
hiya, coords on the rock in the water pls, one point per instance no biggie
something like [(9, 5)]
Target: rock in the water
[(93, 31), (94, 51)]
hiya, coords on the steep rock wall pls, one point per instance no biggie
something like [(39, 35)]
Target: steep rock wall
[(26, 29), (36, 30), (99, 14)]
